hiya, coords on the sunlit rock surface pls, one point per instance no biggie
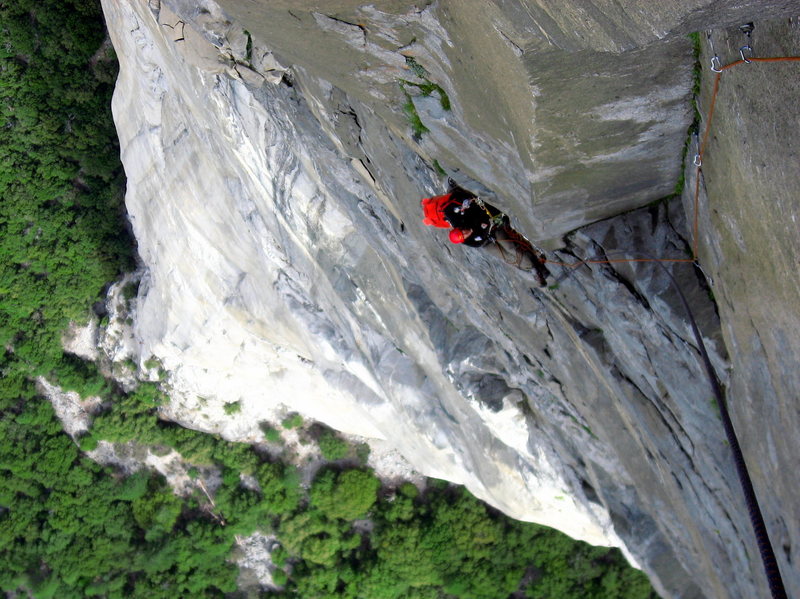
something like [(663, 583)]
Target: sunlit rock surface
[(273, 186)]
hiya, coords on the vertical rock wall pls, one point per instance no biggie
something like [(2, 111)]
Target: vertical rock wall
[(273, 186), (750, 233)]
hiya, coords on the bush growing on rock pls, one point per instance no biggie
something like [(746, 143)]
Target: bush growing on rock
[(271, 434), (293, 421), (331, 446), (232, 408)]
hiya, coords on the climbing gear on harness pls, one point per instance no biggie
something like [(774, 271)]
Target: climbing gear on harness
[(434, 211), (479, 224), (498, 220)]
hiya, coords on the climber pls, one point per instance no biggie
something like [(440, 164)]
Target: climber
[(477, 223)]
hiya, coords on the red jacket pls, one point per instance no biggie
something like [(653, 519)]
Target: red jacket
[(433, 210)]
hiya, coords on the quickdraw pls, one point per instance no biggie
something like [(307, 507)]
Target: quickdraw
[(497, 220)]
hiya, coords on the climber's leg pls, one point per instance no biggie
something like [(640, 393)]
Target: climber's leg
[(518, 251)]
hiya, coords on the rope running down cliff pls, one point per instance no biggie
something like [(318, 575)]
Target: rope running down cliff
[(768, 559), (698, 161)]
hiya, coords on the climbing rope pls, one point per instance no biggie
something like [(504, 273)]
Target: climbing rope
[(768, 559), (516, 239), (698, 159), (498, 221)]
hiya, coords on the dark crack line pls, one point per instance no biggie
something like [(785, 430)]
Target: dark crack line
[(669, 420), (348, 23)]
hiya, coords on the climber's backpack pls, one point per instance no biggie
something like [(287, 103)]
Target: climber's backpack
[(433, 210)]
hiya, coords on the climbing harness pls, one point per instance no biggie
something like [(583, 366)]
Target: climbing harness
[(771, 569), (498, 220)]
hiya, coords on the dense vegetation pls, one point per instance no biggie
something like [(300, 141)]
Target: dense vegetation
[(61, 232), (71, 528)]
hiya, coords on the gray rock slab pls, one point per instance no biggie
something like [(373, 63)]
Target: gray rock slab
[(287, 268), (563, 134), (750, 245)]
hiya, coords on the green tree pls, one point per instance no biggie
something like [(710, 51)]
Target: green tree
[(61, 219), (345, 494), (331, 446)]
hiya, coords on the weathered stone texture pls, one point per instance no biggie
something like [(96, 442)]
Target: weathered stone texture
[(274, 181), (750, 244), (562, 137)]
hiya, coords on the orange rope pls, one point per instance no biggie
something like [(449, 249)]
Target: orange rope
[(576, 264), (696, 218), (700, 153)]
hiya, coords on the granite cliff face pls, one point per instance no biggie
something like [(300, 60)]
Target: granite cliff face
[(275, 161)]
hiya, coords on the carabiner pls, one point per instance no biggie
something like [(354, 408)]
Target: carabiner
[(750, 50), (698, 162), (715, 64)]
